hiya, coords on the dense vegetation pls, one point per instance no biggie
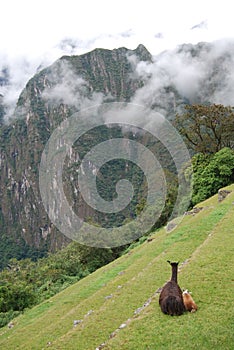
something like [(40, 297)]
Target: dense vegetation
[(25, 283), (207, 128), (210, 173), (208, 131)]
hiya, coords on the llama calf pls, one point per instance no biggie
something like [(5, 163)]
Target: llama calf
[(171, 298), (189, 303)]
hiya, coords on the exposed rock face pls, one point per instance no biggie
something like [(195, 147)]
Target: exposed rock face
[(50, 97), (222, 194)]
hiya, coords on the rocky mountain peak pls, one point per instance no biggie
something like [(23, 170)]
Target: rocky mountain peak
[(143, 53)]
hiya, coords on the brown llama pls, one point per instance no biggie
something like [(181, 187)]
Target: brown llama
[(189, 303), (171, 299)]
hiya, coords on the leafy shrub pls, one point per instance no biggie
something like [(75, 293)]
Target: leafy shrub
[(6, 317), (25, 283), (212, 173)]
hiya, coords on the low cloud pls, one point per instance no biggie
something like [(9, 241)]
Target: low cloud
[(20, 68), (196, 74), (15, 72), (63, 85)]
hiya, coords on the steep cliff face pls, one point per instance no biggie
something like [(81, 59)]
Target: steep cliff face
[(49, 97), (1, 109)]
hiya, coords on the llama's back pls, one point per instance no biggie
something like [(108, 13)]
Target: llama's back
[(171, 299)]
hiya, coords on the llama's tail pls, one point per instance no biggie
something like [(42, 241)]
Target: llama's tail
[(173, 306)]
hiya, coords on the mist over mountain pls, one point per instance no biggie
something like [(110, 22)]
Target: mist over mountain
[(199, 73)]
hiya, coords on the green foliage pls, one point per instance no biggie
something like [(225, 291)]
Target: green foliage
[(212, 173), (207, 128), (25, 283), (9, 250), (6, 317), (16, 296)]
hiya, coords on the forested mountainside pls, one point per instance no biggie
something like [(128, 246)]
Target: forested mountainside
[(50, 97), (69, 85)]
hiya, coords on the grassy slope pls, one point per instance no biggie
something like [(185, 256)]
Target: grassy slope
[(205, 241)]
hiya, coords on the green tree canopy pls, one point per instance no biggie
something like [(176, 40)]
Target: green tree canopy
[(207, 128), (212, 173)]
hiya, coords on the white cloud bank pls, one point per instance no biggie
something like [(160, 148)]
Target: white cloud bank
[(198, 74), (36, 33)]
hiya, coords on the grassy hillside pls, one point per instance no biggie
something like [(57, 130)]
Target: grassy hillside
[(118, 304)]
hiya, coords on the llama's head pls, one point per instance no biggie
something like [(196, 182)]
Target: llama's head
[(174, 263)]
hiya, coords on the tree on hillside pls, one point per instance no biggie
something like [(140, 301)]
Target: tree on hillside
[(210, 173), (207, 128)]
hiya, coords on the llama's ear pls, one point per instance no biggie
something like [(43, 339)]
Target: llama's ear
[(169, 261)]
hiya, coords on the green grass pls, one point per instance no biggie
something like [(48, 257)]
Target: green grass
[(205, 241)]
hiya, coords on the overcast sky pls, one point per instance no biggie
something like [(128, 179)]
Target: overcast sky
[(35, 28), (35, 33)]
